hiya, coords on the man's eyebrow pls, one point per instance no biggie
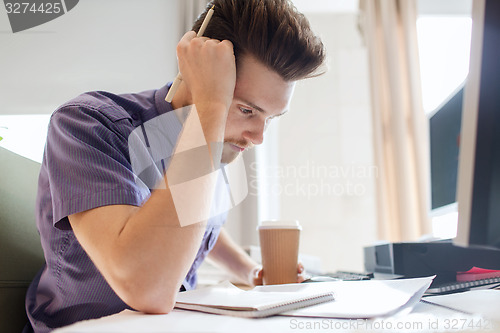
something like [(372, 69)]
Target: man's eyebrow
[(253, 106), (258, 108)]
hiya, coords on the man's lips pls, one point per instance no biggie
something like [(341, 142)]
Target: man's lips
[(237, 148)]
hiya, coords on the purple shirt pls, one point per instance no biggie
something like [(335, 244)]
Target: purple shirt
[(86, 164)]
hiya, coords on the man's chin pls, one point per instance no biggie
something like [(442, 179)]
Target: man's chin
[(228, 156)]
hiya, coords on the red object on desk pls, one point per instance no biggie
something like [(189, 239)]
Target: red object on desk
[(476, 273)]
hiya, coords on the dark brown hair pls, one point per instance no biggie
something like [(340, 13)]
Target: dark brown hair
[(273, 31)]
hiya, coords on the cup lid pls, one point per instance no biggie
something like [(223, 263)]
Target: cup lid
[(279, 224)]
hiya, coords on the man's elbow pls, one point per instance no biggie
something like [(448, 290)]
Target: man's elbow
[(151, 301), (160, 307), (144, 290), (144, 293)]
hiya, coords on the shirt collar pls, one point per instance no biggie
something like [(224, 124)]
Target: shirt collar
[(163, 106)]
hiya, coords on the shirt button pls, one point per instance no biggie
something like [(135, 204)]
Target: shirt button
[(135, 116)]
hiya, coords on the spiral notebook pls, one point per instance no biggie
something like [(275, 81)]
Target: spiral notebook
[(226, 299)]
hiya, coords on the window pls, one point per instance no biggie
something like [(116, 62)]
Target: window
[(444, 49)]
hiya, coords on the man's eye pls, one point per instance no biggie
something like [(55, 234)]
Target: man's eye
[(245, 110)]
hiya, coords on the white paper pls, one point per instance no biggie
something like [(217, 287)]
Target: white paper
[(226, 295), (359, 299), (353, 299), (484, 302)]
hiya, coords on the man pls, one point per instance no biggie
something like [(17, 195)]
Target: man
[(112, 244)]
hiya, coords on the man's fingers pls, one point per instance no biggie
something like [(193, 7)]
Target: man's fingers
[(302, 275), (185, 40), (227, 42), (188, 36), (255, 276)]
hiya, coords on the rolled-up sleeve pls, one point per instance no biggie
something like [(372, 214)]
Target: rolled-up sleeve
[(88, 162)]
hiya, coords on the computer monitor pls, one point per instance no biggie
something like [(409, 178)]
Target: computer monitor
[(444, 129), (478, 186)]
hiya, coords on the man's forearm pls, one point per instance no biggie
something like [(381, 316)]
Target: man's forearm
[(231, 256)]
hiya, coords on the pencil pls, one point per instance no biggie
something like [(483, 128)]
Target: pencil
[(178, 78)]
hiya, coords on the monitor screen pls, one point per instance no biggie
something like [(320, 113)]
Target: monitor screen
[(444, 129), (478, 187)]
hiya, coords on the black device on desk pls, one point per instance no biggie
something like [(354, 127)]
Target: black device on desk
[(443, 259), (465, 164), (340, 276)]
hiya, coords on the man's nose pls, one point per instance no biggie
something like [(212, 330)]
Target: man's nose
[(256, 134)]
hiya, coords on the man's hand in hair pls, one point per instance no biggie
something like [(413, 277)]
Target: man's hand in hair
[(208, 68)]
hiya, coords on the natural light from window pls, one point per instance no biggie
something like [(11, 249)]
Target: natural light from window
[(24, 134), (444, 50)]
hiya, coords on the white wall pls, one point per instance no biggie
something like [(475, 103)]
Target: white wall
[(325, 173), (113, 45)]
